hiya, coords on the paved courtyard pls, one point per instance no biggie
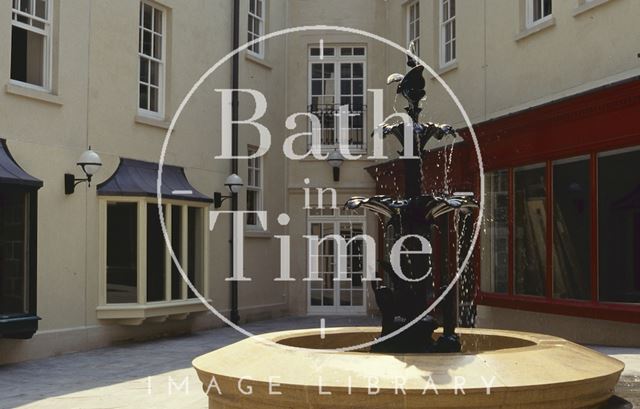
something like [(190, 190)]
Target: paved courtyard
[(158, 374)]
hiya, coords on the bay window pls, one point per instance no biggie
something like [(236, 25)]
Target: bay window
[(140, 277), (18, 248)]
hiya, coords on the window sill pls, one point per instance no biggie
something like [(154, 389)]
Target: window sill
[(136, 314), (586, 6), (257, 234), (155, 122), (452, 66), (257, 60), (18, 326), (32, 93), (536, 28), (584, 309)]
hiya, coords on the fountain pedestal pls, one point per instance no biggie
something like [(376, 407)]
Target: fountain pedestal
[(523, 370)]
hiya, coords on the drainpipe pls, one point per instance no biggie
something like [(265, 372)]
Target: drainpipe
[(235, 316)]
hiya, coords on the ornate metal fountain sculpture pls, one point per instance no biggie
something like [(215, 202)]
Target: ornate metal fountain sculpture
[(401, 300)]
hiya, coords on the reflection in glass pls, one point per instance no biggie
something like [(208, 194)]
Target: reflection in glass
[(495, 234), (571, 229), (530, 217), (155, 255), (619, 226)]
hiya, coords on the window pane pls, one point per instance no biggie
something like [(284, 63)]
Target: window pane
[(619, 227), (155, 255), (27, 56), (144, 97), (195, 250), (153, 99), (122, 253), (495, 235), (155, 73), (146, 42), (146, 18), (13, 253), (41, 9), (252, 205), (157, 21), (530, 230), (157, 46), (571, 230), (176, 245)]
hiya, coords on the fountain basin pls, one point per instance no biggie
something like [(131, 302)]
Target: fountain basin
[(496, 369)]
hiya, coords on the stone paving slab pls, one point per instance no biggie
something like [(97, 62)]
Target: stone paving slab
[(158, 374)]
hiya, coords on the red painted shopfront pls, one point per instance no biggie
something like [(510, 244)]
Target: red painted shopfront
[(561, 229)]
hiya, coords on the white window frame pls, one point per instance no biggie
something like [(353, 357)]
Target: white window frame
[(529, 21), (136, 313), (261, 28), (161, 62), (443, 41), (255, 165), (47, 49), (336, 59), (413, 25)]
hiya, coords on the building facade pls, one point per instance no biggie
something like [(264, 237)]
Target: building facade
[(550, 86)]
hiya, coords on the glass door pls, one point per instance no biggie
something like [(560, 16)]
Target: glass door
[(327, 295)]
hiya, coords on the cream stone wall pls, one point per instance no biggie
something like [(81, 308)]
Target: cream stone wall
[(94, 102), (500, 69)]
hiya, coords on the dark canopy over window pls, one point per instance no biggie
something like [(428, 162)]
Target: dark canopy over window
[(18, 248), (139, 178)]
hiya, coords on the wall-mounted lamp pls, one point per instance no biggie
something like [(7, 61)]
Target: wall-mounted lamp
[(234, 184), (335, 160), (90, 163)]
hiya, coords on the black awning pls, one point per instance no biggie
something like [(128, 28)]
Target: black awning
[(12, 173), (139, 178)]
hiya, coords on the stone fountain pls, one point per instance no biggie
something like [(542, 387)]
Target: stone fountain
[(423, 366)]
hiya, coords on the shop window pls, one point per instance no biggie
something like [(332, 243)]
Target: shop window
[(619, 226), (530, 218), (571, 229), (495, 234), (31, 42)]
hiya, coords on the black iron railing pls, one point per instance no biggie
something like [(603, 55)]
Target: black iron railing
[(330, 124)]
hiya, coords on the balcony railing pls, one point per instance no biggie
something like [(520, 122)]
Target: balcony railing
[(329, 116)]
